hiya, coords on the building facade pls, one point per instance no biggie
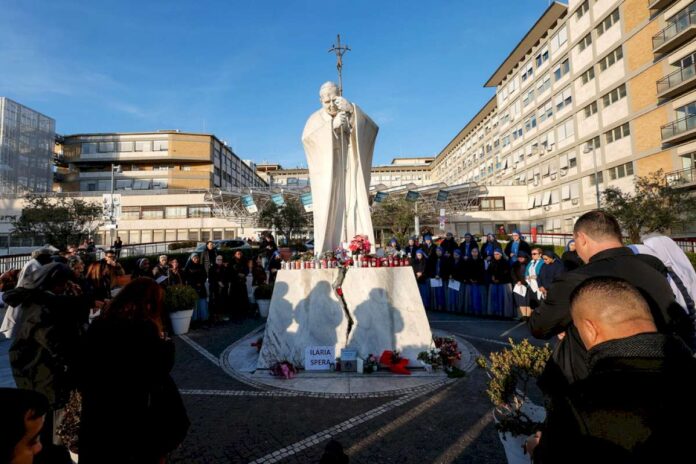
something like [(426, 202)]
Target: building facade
[(597, 92), (159, 160), (26, 149)]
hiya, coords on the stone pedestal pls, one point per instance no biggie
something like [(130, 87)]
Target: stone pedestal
[(384, 304)]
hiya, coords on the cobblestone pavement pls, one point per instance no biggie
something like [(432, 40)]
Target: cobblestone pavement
[(234, 422)]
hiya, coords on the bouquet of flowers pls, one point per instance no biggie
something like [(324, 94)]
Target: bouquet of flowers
[(283, 369), (328, 255), (360, 244), (307, 256), (431, 357), (449, 351), (370, 364)]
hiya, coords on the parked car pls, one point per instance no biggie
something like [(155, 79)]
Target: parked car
[(236, 244)]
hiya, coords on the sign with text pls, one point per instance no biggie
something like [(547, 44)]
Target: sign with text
[(248, 203), (278, 199), (380, 197), (319, 358), (442, 195), (349, 360), (412, 196), (306, 200)]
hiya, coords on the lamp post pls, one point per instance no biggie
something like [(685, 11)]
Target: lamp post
[(592, 149), (114, 169)]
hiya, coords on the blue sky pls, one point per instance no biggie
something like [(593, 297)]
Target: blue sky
[(249, 71)]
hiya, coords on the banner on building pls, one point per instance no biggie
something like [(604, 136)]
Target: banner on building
[(107, 203), (278, 199), (442, 195), (412, 196), (380, 197), (306, 200), (249, 205)]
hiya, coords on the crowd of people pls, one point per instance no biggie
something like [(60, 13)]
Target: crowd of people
[(91, 343), (485, 279)]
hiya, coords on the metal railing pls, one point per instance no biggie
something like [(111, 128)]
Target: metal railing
[(678, 127), (8, 262), (682, 176), (680, 24), (676, 78)]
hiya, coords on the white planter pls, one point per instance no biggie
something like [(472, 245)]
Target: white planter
[(513, 443), (181, 321), (264, 306)]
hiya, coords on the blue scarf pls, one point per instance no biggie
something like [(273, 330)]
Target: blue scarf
[(515, 247)]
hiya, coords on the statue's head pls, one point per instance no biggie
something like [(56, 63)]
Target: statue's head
[(327, 93)]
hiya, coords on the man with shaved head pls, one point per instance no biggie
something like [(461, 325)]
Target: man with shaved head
[(638, 384), (599, 243)]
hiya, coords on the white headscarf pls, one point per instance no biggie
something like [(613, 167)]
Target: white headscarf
[(674, 258)]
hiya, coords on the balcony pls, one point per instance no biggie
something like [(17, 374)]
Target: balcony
[(682, 177), (679, 130), (676, 34), (658, 4), (677, 83)]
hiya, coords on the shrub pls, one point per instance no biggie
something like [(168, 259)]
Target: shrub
[(510, 372), (179, 298)]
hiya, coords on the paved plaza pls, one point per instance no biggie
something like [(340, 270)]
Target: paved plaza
[(449, 422)]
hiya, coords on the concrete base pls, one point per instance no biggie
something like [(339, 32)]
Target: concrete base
[(384, 304)]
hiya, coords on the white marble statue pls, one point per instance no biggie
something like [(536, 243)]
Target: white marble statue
[(339, 140)]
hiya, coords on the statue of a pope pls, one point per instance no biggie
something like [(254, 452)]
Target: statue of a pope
[(339, 140)]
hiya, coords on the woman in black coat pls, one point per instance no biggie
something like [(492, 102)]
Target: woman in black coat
[(552, 268), (519, 281), (475, 277), (420, 269), (195, 277), (219, 287), (131, 408), (500, 290), (570, 257)]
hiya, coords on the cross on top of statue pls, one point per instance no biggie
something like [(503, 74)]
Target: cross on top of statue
[(339, 50)]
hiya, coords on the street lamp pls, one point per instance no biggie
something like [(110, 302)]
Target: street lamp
[(590, 147), (114, 169)]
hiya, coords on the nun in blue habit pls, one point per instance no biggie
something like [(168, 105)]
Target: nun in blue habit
[(455, 298), (475, 294), (500, 290), (420, 268), (439, 271)]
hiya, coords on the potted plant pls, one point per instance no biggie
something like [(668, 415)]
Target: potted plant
[(179, 300), (511, 373), (263, 294)]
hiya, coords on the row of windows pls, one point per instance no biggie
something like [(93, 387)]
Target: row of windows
[(618, 133), (617, 172), (90, 148), (165, 212)]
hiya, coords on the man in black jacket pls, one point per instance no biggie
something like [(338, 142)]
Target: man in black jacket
[(628, 407), (598, 240)]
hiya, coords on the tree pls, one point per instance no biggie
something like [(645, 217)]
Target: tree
[(658, 204), (396, 214), (286, 219), (58, 221)]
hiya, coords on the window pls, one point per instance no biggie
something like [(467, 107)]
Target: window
[(198, 211), (530, 123), (575, 190), (561, 70), (144, 145), (585, 42), (528, 97), (587, 76), (566, 129), (89, 148), (594, 143), (160, 145), (600, 176), (614, 96), (175, 212), (124, 146), (618, 133), (153, 212), (163, 167), (528, 71), (546, 111), (130, 212), (559, 39), (563, 99), (544, 84), (590, 109), (542, 57), (621, 171), (582, 9), (609, 21), (106, 147), (610, 59)]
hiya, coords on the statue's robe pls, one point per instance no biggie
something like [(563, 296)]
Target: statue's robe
[(340, 179)]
